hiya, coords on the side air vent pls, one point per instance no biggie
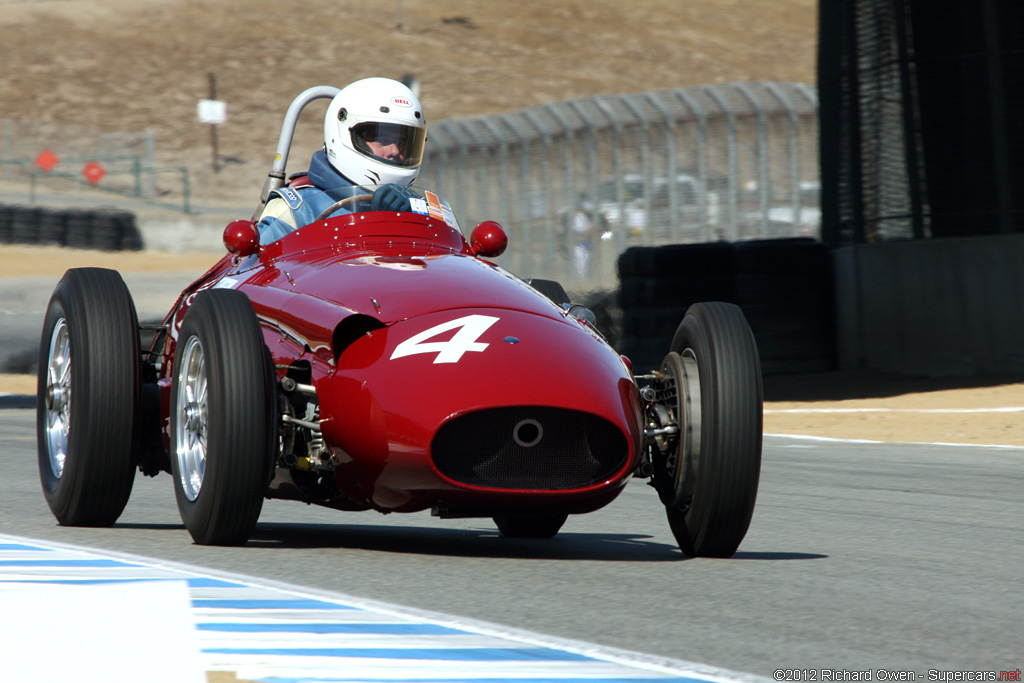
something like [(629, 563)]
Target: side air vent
[(525, 447), (350, 329)]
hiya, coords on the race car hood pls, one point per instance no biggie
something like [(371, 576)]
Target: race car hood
[(398, 287)]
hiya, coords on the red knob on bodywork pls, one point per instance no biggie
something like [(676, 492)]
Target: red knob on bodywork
[(488, 239), (242, 238)]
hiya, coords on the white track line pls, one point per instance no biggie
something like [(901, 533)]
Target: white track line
[(832, 439)]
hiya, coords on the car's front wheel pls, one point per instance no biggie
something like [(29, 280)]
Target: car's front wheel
[(222, 421), (707, 476)]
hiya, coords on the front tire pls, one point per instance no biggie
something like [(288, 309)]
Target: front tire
[(87, 446), (710, 487), (223, 419)]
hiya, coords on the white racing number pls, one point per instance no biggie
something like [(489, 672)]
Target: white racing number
[(470, 329)]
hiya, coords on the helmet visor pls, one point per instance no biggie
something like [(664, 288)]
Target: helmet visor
[(390, 143)]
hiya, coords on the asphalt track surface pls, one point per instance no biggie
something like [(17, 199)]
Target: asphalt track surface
[(860, 556)]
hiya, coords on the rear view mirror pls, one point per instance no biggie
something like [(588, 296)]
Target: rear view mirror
[(241, 238), (488, 239)]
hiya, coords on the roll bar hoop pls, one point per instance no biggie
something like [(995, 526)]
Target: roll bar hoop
[(275, 179)]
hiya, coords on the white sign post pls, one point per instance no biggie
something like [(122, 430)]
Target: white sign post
[(212, 111)]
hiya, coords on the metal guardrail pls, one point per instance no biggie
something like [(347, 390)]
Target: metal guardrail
[(575, 183)]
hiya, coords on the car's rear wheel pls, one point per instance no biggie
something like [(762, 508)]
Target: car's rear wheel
[(222, 422), (87, 446), (530, 526), (708, 478)]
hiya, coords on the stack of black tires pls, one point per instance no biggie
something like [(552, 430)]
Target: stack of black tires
[(105, 230), (784, 287)]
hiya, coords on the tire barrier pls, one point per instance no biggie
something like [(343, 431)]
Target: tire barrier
[(52, 229), (24, 224), (79, 229), (658, 284), (75, 228), (786, 290), (22, 363), (784, 287), (5, 226)]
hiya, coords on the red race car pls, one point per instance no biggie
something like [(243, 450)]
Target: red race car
[(377, 360)]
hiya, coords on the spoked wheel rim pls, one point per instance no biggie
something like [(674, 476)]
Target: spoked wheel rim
[(58, 398), (191, 426)]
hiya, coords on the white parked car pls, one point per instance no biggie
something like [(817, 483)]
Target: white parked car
[(788, 218), (646, 206)]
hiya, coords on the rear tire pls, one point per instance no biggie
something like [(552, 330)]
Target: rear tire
[(223, 419), (88, 446), (710, 508)]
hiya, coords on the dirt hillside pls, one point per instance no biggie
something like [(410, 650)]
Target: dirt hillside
[(130, 66)]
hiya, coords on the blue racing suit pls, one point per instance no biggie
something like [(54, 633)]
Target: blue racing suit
[(290, 208), (305, 202)]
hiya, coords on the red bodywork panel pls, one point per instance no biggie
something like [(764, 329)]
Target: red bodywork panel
[(404, 331)]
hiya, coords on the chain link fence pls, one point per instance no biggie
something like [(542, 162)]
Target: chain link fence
[(127, 160), (576, 183)]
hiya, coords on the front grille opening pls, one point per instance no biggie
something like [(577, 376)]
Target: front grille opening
[(529, 447)]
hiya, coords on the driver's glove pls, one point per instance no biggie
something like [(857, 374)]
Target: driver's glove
[(392, 197)]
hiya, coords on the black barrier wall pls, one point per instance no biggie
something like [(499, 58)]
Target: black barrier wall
[(784, 287), (76, 228)]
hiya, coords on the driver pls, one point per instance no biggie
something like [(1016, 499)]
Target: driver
[(374, 133)]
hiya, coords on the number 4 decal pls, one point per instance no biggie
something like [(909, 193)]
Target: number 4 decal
[(471, 327)]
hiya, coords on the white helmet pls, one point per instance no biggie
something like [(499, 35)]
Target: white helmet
[(374, 133)]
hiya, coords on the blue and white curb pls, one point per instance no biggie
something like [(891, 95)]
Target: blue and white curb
[(275, 633)]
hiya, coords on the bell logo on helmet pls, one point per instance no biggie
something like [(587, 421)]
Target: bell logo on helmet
[(401, 101)]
